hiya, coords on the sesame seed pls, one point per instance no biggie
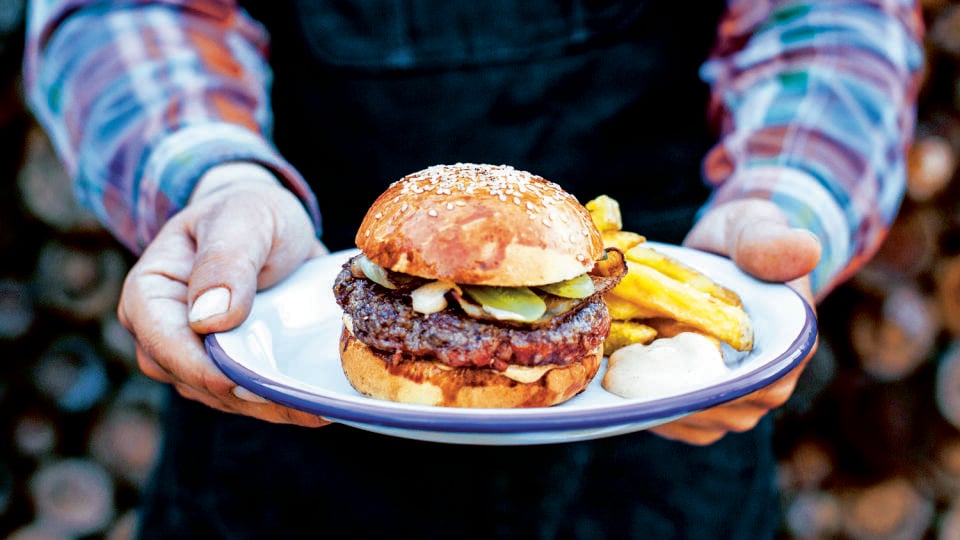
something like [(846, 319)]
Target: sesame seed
[(432, 213)]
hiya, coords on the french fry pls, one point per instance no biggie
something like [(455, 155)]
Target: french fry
[(673, 268), (624, 309), (675, 299), (605, 212), (667, 327), (662, 295), (623, 333), (622, 240)]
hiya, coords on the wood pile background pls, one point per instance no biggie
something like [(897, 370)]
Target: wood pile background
[(869, 445), (79, 424)]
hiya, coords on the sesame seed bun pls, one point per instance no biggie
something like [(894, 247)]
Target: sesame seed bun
[(472, 224), (480, 224), (426, 382)]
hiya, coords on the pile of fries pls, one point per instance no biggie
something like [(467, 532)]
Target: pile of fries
[(660, 296)]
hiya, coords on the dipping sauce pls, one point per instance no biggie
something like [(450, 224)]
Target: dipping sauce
[(667, 366)]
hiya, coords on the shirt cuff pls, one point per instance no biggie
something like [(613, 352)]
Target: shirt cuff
[(807, 204), (177, 163)]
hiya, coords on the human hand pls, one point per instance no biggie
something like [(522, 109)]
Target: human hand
[(241, 231), (754, 233)]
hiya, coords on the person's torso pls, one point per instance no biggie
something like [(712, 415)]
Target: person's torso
[(600, 97)]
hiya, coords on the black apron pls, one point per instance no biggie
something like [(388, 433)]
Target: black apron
[(600, 97)]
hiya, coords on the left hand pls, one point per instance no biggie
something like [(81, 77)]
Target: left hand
[(241, 231), (755, 234)]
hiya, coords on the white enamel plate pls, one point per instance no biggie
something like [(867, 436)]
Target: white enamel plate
[(286, 351)]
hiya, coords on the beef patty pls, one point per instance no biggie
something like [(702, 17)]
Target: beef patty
[(385, 321)]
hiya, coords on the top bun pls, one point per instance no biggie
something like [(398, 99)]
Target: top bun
[(480, 224)]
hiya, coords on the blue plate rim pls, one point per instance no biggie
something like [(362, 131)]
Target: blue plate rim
[(364, 410)]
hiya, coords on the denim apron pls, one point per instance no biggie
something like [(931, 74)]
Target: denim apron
[(598, 96)]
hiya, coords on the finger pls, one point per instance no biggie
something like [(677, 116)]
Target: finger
[(774, 251), (731, 417), (152, 308), (250, 197), (246, 395), (150, 368), (259, 408), (284, 415), (738, 416), (710, 425), (257, 239), (756, 235), (694, 436), (318, 250), (224, 277)]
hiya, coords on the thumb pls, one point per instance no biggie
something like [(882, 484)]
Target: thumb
[(774, 251), (755, 234), (223, 281), (245, 241)]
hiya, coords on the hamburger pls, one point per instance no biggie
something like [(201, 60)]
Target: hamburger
[(475, 286)]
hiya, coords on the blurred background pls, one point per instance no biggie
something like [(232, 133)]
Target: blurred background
[(79, 424), (869, 445)]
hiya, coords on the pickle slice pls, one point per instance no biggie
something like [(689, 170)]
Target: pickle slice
[(578, 287), (507, 303)]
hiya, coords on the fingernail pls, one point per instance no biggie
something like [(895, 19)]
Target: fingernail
[(247, 395), (212, 302)]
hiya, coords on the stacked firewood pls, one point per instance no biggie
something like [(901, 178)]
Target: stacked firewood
[(81, 424), (870, 443)]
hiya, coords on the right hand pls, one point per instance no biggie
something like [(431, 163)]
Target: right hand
[(756, 235), (241, 231)]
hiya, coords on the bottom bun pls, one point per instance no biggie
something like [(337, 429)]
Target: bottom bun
[(426, 382)]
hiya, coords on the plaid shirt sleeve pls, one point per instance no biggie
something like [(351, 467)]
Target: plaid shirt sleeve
[(140, 98), (815, 103)]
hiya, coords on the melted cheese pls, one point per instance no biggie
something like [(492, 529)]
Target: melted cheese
[(521, 374), (525, 374)]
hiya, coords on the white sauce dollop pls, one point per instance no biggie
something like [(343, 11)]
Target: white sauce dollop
[(665, 367)]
